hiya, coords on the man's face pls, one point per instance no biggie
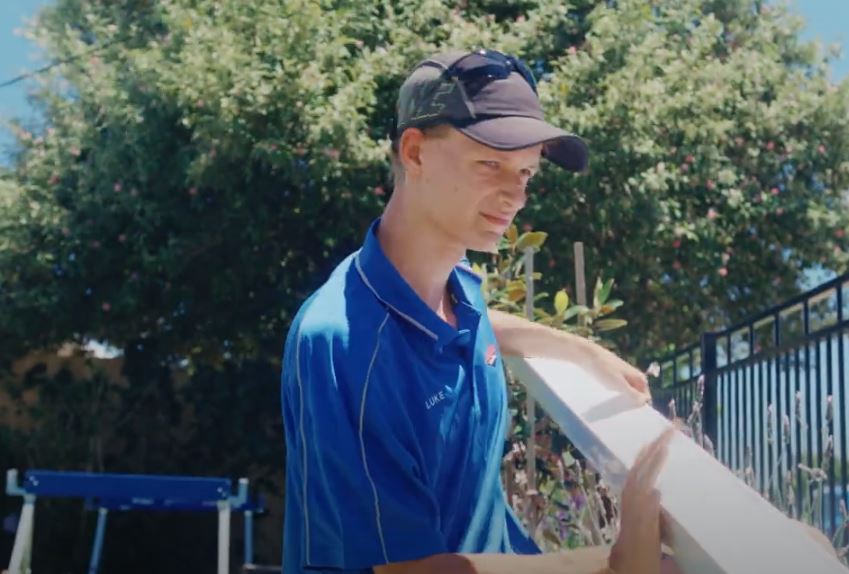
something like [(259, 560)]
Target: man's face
[(471, 192)]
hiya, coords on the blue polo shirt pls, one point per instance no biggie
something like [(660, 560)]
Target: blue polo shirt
[(395, 424)]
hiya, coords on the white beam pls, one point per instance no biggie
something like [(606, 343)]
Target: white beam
[(718, 524)]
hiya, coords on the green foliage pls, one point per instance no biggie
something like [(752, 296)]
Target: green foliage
[(505, 289), (203, 165), (570, 506), (720, 157)]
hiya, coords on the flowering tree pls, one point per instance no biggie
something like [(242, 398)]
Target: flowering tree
[(202, 165)]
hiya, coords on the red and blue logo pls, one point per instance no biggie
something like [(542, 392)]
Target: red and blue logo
[(491, 355)]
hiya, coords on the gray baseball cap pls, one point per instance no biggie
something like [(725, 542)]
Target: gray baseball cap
[(490, 97)]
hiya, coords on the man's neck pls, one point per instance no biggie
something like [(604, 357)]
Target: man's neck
[(421, 256)]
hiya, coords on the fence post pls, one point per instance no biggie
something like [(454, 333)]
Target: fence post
[(708, 344), (530, 404)]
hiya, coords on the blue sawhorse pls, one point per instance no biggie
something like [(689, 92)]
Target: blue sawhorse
[(130, 492)]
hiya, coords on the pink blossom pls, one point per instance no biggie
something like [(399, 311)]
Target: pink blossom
[(821, 149), (572, 50), (726, 257), (551, 263), (710, 184), (272, 147), (193, 191), (712, 214), (379, 191), (676, 265), (839, 233), (774, 191), (199, 103), (723, 272), (75, 151), (739, 141), (54, 179), (676, 244), (520, 18), (117, 187), (770, 146), (95, 244), (527, 227), (654, 369), (106, 307), (122, 238), (685, 167), (779, 211), (690, 159), (332, 153)]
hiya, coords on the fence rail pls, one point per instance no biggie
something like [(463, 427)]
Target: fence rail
[(774, 402)]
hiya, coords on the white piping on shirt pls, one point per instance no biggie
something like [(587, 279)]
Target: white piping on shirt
[(304, 446), (363, 444), (379, 298)]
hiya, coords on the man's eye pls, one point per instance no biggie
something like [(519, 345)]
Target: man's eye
[(490, 164)]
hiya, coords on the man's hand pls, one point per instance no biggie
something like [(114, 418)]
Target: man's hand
[(520, 337), (612, 368), (637, 550)]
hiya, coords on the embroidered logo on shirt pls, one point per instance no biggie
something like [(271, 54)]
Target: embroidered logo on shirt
[(491, 355), (431, 402)]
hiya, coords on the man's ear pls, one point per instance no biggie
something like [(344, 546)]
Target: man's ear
[(410, 150)]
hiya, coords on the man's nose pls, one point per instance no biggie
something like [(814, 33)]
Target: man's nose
[(516, 192)]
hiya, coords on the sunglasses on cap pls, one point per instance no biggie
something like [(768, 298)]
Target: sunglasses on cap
[(478, 68)]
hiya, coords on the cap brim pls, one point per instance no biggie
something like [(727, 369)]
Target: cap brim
[(516, 132)]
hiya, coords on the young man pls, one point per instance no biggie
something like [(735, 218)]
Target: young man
[(394, 399)]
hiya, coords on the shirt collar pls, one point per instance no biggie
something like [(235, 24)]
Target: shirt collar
[(391, 289)]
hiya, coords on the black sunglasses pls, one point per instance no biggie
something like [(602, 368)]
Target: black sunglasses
[(477, 69)]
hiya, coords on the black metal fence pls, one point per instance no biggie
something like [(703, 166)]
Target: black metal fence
[(775, 400)]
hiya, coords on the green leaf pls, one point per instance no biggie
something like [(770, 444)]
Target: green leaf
[(575, 310), (512, 235), (609, 324), (531, 239), (602, 292), (561, 301)]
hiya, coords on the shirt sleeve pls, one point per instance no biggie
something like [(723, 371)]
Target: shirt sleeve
[(362, 492)]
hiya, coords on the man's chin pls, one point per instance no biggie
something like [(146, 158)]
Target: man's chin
[(484, 247)]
